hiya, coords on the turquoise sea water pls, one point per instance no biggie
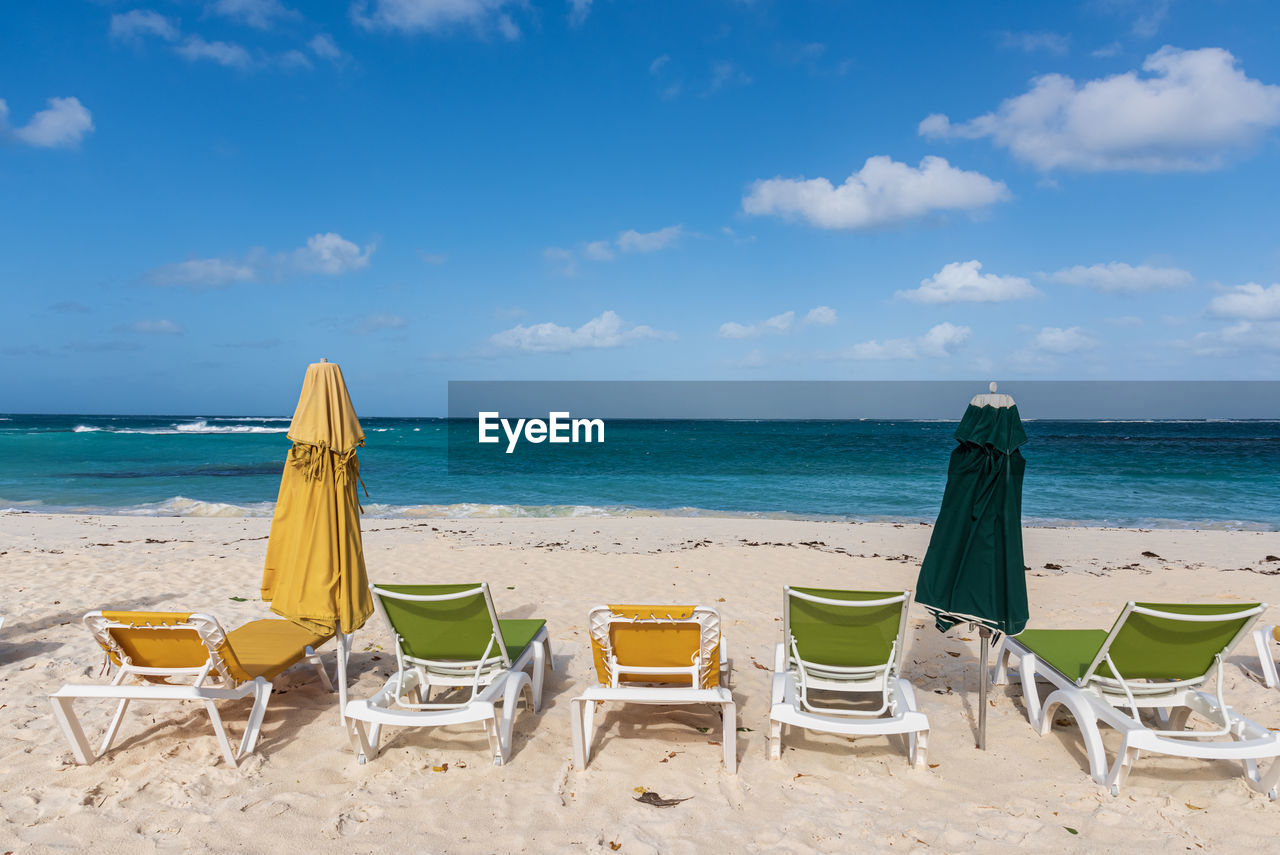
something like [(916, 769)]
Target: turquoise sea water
[(1156, 474)]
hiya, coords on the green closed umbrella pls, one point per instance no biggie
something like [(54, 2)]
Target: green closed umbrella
[(973, 570)]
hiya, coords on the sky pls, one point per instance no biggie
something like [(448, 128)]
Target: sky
[(199, 197)]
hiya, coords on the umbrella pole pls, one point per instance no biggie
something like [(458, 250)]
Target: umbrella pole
[(344, 646), (985, 633)]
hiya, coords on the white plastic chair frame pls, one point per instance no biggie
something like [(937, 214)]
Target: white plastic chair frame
[(794, 677), (1095, 699), (1262, 639), (405, 699), (583, 708), (224, 687)]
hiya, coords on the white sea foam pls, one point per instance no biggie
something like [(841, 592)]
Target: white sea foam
[(199, 426), (202, 426), (181, 506), (251, 419)]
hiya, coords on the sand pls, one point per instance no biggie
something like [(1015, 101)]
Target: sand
[(164, 789)]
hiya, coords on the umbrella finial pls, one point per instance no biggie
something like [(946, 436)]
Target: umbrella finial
[(322, 359), (991, 386)]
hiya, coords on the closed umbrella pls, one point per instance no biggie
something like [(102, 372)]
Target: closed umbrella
[(314, 573), (973, 570)]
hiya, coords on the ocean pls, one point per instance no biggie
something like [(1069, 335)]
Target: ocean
[(1157, 474)]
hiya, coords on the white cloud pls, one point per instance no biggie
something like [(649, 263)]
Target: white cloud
[(259, 14), (780, 323), (1237, 338), (938, 342), (578, 11), (508, 28), (659, 63), (60, 125), (156, 327), (961, 282), (777, 324), (202, 273), (607, 330), (1069, 340), (293, 59), (821, 316), (228, 54), (133, 26), (1116, 277), (562, 259), (1033, 42), (1124, 321), (434, 16), (754, 359), (1108, 50), (327, 253), (732, 329), (634, 241), (332, 254), (1151, 16), (323, 46), (1191, 108), (605, 250), (1249, 302), (883, 191), (376, 322), (724, 73)]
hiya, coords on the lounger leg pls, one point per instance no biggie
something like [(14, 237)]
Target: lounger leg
[(366, 744), (1001, 676), (317, 662), (1268, 783), (589, 720), (495, 739), (775, 739), (1087, 721), (581, 731), (510, 701), (221, 732), (1262, 640), (114, 727), (1030, 691), (919, 748), (729, 710), (917, 740), (541, 656), (66, 718), (261, 697), (1121, 768)]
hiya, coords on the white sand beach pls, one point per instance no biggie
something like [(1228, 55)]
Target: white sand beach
[(163, 788)]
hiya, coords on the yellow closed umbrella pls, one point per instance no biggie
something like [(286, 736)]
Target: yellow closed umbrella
[(314, 573)]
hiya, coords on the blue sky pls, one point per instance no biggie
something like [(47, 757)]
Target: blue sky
[(198, 197)]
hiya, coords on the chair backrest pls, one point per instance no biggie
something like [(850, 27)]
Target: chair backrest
[(442, 623), (846, 629), (161, 644), (656, 636), (1177, 642)]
